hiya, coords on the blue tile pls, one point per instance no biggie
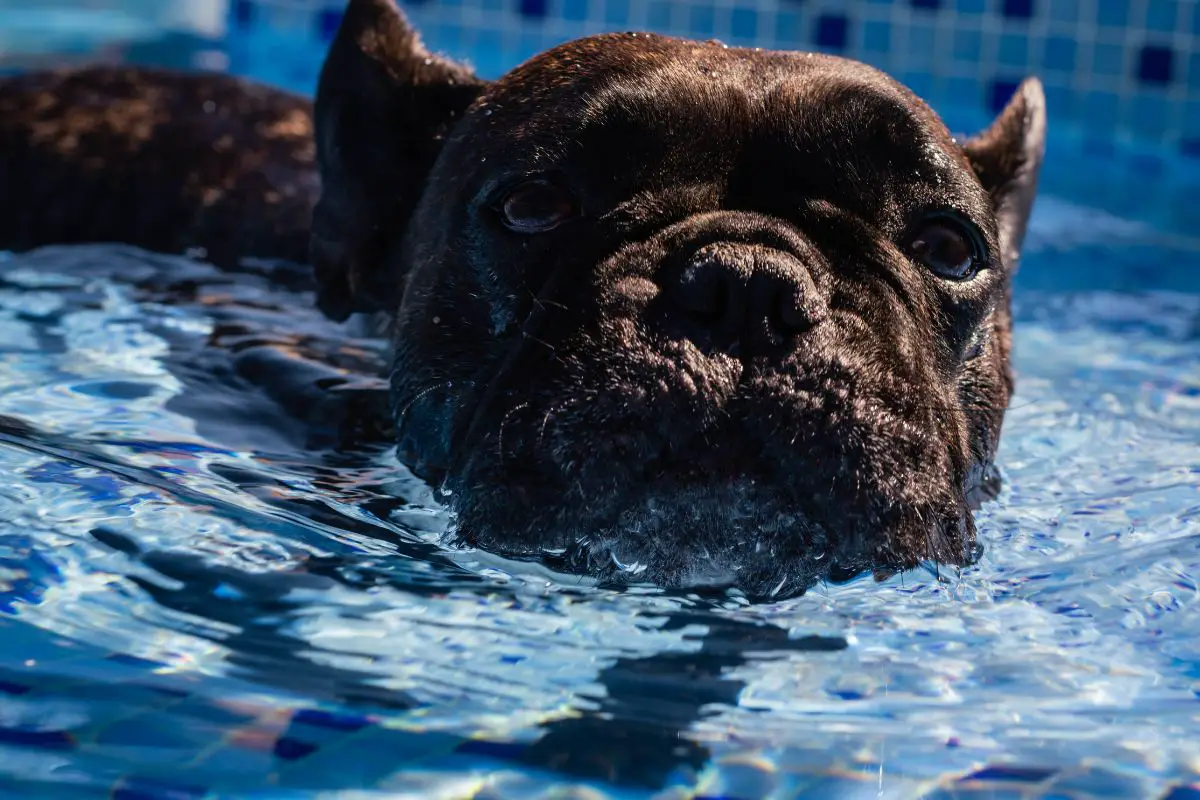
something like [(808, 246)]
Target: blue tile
[(921, 82), (963, 92), (1060, 101), (832, 31), (968, 45), (1161, 15), (243, 13), (45, 740), (1155, 64), (1191, 119), (1058, 54), (1001, 92), (922, 45), (1113, 13), (145, 789), (533, 9), (658, 16), (789, 28), (1005, 772), (1100, 110), (328, 20), (293, 749), (1062, 10), (702, 21), (616, 12), (1013, 50), (1193, 77), (330, 720), (1147, 115), (743, 22), (970, 6), (876, 36), (575, 10), (931, 5), (1108, 59), (1017, 9)]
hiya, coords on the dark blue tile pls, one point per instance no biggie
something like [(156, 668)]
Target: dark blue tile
[(325, 719), (743, 22), (1183, 793), (832, 31), (575, 10), (293, 749), (143, 789), (1155, 64), (931, 5), (14, 688), (534, 9), (1007, 772), (243, 13), (1017, 9), (1112, 13), (1001, 92), (133, 661), (482, 747), (328, 21), (45, 740), (1190, 147)]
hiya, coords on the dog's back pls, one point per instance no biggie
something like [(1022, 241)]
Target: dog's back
[(166, 161)]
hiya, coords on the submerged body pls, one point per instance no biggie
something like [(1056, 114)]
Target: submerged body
[(661, 309)]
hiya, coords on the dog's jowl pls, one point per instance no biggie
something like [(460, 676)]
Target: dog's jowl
[(661, 310)]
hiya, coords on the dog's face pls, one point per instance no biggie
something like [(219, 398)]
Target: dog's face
[(677, 311)]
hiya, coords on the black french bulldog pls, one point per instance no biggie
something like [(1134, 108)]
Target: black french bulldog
[(662, 310)]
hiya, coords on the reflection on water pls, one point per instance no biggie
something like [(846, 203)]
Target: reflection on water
[(215, 578)]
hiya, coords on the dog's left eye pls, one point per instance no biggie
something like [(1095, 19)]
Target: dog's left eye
[(948, 247), (536, 206)]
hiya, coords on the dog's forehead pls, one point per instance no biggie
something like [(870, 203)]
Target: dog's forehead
[(661, 85)]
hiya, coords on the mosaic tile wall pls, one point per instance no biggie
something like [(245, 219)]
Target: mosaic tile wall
[(1115, 69)]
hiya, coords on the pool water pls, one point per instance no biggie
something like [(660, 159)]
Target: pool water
[(216, 585)]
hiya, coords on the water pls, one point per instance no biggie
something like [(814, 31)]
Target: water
[(214, 584)]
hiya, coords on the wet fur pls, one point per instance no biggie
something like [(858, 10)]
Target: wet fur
[(549, 383)]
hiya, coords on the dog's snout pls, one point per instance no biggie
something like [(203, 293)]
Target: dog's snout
[(746, 295)]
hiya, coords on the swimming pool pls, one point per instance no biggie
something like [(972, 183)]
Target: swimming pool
[(201, 596)]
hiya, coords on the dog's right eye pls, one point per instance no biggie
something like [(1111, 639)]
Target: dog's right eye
[(536, 206)]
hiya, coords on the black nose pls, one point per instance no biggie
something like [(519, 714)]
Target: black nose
[(741, 295)]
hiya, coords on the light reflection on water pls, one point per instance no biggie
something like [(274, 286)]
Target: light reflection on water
[(197, 594)]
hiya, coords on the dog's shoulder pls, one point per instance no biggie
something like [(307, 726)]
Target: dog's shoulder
[(162, 160)]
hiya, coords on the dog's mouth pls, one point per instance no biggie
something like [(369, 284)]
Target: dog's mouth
[(709, 518)]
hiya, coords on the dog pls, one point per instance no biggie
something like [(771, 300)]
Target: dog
[(660, 310)]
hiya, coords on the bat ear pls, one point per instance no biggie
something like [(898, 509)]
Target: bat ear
[(384, 104), (1007, 158)]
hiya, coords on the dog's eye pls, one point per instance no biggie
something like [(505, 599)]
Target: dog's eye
[(536, 206), (949, 247)]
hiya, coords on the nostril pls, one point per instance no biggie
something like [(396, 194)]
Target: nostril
[(796, 312), (706, 290)]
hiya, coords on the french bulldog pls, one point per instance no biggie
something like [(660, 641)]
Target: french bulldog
[(660, 310)]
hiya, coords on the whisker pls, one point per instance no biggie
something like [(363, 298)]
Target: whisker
[(503, 423)]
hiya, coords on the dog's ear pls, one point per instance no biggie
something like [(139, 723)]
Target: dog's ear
[(1007, 158), (384, 104)]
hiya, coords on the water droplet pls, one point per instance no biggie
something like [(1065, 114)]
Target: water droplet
[(209, 106), (437, 320), (428, 61)]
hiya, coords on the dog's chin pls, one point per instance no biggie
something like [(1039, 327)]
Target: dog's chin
[(687, 531)]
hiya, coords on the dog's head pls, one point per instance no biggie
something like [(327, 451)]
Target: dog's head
[(674, 310)]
